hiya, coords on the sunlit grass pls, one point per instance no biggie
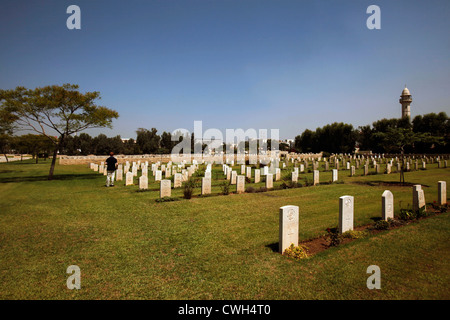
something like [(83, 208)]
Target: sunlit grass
[(129, 246)]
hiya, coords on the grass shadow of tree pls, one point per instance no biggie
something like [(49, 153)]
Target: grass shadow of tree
[(275, 247), (58, 177)]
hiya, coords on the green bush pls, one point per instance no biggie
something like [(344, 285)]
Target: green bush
[(250, 190), (409, 214), (354, 234), (188, 188), (335, 238), (296, 252), (166, 199), (381, 225), (262, 189), (406, 214), (225, 187)]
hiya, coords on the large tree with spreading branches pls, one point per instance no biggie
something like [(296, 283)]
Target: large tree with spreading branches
[(54, 111)]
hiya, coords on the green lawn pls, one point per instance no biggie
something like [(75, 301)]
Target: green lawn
[(128, 246)]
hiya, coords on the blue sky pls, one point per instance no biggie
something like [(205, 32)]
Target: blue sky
[(287, 65)]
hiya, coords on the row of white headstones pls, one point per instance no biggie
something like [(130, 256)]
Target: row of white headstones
[(289, 215), (183, 173)]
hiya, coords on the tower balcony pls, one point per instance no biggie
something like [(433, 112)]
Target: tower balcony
[(405, 99)]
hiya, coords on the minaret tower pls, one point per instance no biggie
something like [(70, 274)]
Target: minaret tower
[(405, 100)]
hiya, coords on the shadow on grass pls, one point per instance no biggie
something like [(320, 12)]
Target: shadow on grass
[(274, 246), (58, 177), (376, 183)]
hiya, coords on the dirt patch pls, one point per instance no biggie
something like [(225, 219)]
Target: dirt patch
[(374, 183), (316, 245)]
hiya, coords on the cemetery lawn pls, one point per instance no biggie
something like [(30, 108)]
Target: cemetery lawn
[(128, 246)]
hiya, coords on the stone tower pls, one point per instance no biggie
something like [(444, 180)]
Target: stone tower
[(405, 100)]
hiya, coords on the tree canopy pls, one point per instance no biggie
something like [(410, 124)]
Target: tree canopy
[(54, 110)]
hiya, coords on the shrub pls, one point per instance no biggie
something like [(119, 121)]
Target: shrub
[(381, 225), (189, 187), (422, 212), (262, 189), (166, 199), (225, 187), (406, 214), (250, 190), (308, 182), (335, 238), (409, 214), (296, 252), (354, 234)]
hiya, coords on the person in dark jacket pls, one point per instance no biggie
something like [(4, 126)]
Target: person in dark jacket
[(111, 166)]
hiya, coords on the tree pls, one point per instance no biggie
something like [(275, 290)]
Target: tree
[(306, 141), (397, 139), (6, 130), (55, 109), (437, 125), (166, 142), (147, 140), (32, 144)]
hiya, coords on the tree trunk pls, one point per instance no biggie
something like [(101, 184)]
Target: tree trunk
[(37, 156), (52, 166), (55, 154), (6, 158), (402, 173)]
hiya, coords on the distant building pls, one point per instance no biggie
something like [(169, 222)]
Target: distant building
[(405, 100)]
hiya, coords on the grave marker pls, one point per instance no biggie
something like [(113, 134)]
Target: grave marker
[(346, 204), (288, 229)]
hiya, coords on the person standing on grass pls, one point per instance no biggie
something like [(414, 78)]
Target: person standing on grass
[(111, 166)]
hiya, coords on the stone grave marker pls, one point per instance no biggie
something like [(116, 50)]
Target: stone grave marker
[(206, 185), (315, 177), (165, 189), (288, 227), (129, 179), (269, 181), (442, 192), (387, 205), (240, 184), (346, 204), (143, 182)]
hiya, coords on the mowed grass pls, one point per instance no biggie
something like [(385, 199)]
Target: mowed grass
[(128, 246)]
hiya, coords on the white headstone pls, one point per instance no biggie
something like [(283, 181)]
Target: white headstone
[(442, 192), (240, 184), (288, 232), (346, 204), (178, 180), (257, 175), (315, 177), (158, 175), (165, 189), (119, 173), (387, 205), (143, 182), (206, 185), (129, 179), (233, 177), (418, 197), (269, 181), (335, 175)]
